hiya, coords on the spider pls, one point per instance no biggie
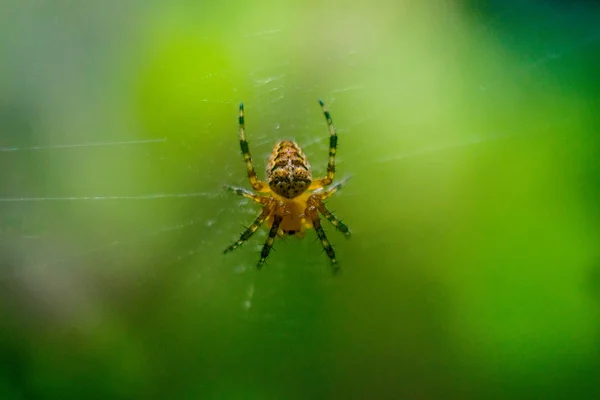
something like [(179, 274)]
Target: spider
[(292, 200)]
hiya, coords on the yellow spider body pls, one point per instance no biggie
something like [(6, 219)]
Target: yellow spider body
[(294, 200), (293, 222)]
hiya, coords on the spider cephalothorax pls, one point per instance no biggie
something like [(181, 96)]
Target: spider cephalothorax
[(295, 200)]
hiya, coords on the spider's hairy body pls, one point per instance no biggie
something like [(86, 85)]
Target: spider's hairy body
[(294, 200), (293, 222), (288, 171)]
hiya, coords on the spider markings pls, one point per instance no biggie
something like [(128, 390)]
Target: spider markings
[(295, 200), (254, 182), (288, 172)]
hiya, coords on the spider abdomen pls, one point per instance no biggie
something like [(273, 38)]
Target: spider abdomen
[(288, 171)]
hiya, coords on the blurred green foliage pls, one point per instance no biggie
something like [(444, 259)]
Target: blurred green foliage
[(470, 136)]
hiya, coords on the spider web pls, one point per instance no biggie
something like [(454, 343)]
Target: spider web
[(270, 117), (82, 223), (44, 247)]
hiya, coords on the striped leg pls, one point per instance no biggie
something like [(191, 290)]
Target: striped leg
[(256, 184), (269, 243), (332, 150), (247, 194), (312, 205), (324, 194), (250, 230), (334, 220), (326, 245)]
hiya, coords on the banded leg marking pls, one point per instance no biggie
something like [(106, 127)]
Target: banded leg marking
[(254, 182), (250, 230), (334, 220), (324, 194), (326, 245), (247, 194), (269, 243), (332, 150)]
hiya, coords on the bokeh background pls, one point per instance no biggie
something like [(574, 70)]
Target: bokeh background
[(469, 131)]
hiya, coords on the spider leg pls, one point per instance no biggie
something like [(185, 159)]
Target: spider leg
[(250, 230), (247, 194), (334, 220), (254, 182), (316, 222), (332, 150), (323, 194), (269, 243)]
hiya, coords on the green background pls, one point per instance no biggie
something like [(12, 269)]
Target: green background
[(469, 130)]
